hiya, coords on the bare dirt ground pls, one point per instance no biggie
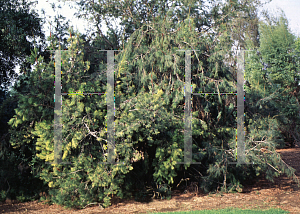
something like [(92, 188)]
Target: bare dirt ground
[(283, 193)]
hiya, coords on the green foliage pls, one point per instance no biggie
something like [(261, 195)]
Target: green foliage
[(153, 65), (2, 195), (274, 74), (17, 23), (272, 104)]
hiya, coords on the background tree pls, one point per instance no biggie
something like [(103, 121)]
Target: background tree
[(274, 71), (17, 24)]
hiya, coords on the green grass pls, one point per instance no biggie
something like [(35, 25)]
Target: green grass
[(230, 211)]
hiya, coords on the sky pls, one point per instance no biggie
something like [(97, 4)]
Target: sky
[(291, 9)]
